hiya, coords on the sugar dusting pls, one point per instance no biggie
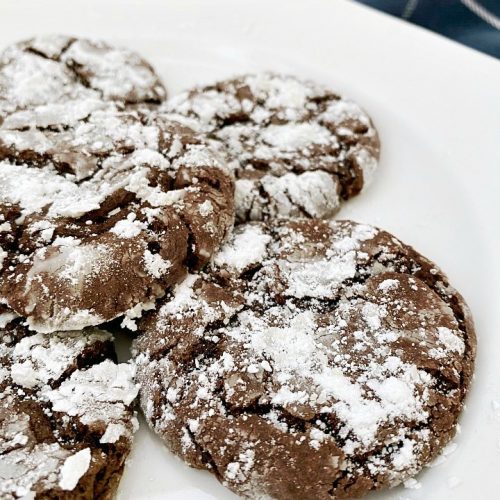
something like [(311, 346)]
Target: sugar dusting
[(293, 145), (102, 176), (313, 350), (96, 399)]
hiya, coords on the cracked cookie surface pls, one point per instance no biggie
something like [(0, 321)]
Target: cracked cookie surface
[(297, 149), (66, 413), (102, 206), (41, 73), (311, 359), (101, 210)]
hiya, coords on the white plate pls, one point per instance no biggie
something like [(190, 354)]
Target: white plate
[(437, 107)]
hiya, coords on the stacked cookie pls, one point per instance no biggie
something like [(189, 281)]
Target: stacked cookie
[(103, 206), (294, 356)]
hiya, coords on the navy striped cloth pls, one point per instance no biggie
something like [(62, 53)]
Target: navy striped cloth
[(475, 23)]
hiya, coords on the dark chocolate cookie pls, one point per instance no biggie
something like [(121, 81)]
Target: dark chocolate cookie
[(101, 209), (66, 414), (312, 359), (37, 75), (297, 149)]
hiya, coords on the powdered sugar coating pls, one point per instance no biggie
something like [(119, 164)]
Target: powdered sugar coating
[(109, 210), (40, 359), (101, 395), (74, 467), (116, 73), (40, 73), (296, 148), (60, 394), (308, 364)]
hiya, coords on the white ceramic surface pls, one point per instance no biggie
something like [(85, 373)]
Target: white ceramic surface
[(437, 107)]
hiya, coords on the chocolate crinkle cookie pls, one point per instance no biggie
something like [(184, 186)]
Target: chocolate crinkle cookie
[(102, 203), (41, 73), (101, 209), (311, 359), (66, 413), (297, 148)]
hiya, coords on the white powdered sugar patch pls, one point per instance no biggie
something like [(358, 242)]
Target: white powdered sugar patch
[(307, 194), (247, 200), (297, 354), (183, 297), (136, 312), (42, 230), (318, 279), (50, 45), (71, 263), (388, 284), (196, 155), (65, 320), (295, 136), (206, 106), (280, 92), (240, 470), (113, 433), (129, 227), (291, 349), (372, 314), (6, 318), (29, 80), (155, 264), (66, 114), (40, 359), (3, 255), (344, 110), (315, 193), (185, 303), (74, 467), (405, 457), (34, 189), (155, 196), (26, 140), (206, 208), (53, 69), (117, 73), (322, 277), (450, 340), (368, 164), (247, 247), (101, 393)]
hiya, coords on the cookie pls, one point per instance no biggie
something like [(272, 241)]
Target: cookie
[(313, 359), (66, 414), (297, 149), (102, 210), (37, 75)]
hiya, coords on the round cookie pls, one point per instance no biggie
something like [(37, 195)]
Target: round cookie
[(297, 149), (42, 72), (312, 359), (66, 414), (101, 209)]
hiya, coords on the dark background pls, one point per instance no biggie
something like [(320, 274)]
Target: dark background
[(475, 23)]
